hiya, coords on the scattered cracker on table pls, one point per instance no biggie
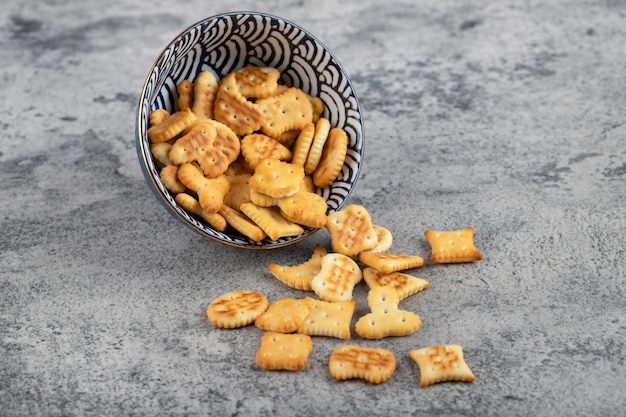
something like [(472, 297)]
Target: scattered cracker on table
[(285, 315), (300, 276), (387, 263), (386, 319), (351, 230), (456, 246), (280, 351), (385, 239), (375, 365), (441, 363), (236, 308), (329, 319), (404, 284), (336, 278)]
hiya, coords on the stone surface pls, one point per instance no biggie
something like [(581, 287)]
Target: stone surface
[(502, 115)]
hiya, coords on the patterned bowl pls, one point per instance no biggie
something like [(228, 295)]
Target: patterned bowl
[(229, 41)]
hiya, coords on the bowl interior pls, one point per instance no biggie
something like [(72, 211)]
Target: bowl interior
[(230, 41)]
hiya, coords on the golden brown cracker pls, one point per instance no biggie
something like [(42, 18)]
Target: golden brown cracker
[(293, 111), (441, 363), (236, 309), (387, 263), (336, 278), (160, 153), (404, 284), (257, 146), (239, 192), (279, 351), (204, 93), (330, 319), (385, 239), (257, 82), (209, 143), (158, 115), (271, 221), (303, 144), (235, 111), (276, 178), (185, 94), (333, 157), (375, 365), (320, 136), (351, 230), (284, 315), (300, 276), (193, 206), (242, 223), (171, 126), (169, 178), (305, 208), (386, 319), (210, 191), (455, 246)]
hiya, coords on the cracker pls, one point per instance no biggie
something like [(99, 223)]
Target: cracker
[(375, 365), (385, 239), (204, 93), (329, 319), (284, 315), (300, 276), (171, 126), (454, 246), (303, 144), (209, 143), (236, 112), (276, 178), (351, 230), (318, 107), (404, 284), (288, 138), (386, 319), (185, 94), (257, 146), (192, 205), (336, 278), (158, 115), (169, 178), (294, 111), (288, 352), (257, 82), (239, 192), (262, 200), (322, 129), (441, 363), (332, 159), (236, 309), (387, 263), (242, 224), (305, 208), (210, 191), (271, 221), (160, 153)]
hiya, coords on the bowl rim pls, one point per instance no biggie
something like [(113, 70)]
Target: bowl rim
[(143, 157)]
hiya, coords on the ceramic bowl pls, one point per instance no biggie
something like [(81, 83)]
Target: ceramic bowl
[(225, 42)]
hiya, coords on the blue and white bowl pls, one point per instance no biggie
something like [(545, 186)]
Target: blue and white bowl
[(229, 41)]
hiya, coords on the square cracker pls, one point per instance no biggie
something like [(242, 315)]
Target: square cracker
[(375, 365), (441, 363), (279, 351), (454, 246), (329, 319)]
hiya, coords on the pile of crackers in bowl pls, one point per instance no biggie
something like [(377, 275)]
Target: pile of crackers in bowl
[(249, 130), (360, 251)]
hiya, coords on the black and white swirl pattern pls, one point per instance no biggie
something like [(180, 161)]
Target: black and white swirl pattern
[(229, 41)]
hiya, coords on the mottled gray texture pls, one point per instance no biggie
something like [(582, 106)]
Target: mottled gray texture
[(502, 115)]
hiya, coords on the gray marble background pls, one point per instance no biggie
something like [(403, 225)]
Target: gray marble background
[(508, 116)]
